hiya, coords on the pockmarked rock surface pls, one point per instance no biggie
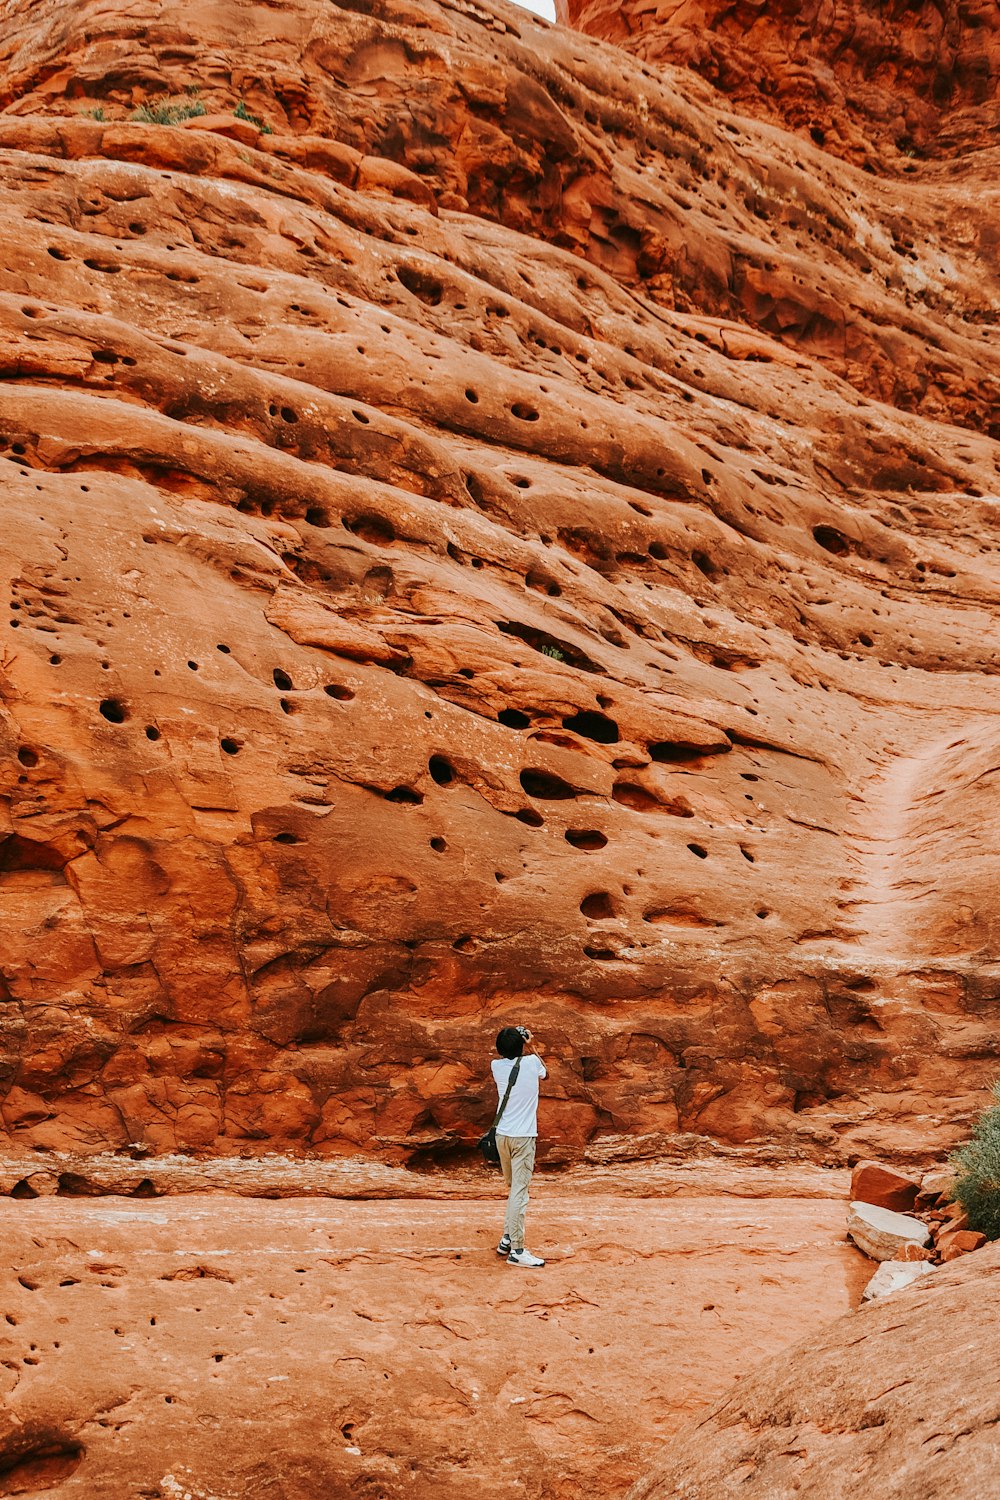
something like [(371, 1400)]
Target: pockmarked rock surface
[(900, 1399), (488, 529), (212, 1346)]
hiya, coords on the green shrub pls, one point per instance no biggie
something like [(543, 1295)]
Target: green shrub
[(242, 113), (554, 652), (977, 1172), (96, 114), (166, 114)]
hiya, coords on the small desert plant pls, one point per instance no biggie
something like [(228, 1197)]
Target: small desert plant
[(554, 652), (166, 114), (96, 114), (242, 113), (977, 1172)]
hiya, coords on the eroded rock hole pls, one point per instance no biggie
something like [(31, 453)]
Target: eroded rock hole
[(586, 838), (38, 1463), (673, 753), (546, 786), (523, 412), (598, 906), (427, 288), (230, 746), (593, 726), (635, 797), (530, 817), (316, 516), (698, 850), (513, 718), (442, 772), (831, 540), (342, 694), (27, 756), (405, 795), (371, 529), (113, 710), (282, 681)]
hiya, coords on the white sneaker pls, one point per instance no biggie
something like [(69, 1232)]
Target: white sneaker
[(523, 1258), (504, 1246)]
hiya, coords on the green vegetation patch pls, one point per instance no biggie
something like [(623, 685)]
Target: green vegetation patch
[(977, 1169), (167, 114)]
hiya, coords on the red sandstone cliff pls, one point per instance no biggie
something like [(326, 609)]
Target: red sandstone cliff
[(515, 539), (879, 84)]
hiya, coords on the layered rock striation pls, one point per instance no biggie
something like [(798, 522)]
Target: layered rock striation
[(490, 533)]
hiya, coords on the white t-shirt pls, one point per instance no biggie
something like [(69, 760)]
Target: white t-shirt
[(521, 1115)]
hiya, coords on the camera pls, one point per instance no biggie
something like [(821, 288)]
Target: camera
[(523, 1033)]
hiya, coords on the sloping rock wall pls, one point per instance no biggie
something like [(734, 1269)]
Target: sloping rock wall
[(886, 1401), (512, 540)]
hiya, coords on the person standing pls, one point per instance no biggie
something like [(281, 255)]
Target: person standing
[(517, 1131)]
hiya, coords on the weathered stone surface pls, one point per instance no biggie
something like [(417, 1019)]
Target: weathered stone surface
[(881, 1233), (882, 86), (872, 1182), (670, 1174), (893, 1276), (515, 537), (899, 1399), (212, 1347)]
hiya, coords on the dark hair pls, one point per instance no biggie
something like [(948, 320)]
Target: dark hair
[(510, 1042)]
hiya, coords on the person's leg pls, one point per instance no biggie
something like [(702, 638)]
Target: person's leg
[(503, 1146), (522, 1164)]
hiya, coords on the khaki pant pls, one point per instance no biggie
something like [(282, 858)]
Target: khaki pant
[(517, 1162)]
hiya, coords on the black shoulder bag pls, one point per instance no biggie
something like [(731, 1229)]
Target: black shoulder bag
[(488, 1144)]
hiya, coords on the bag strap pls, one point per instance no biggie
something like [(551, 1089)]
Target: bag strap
[(510, 1084)]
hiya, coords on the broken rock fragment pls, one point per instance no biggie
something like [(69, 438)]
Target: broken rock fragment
[(871, 1182), (892, 1276), (882, 1234)]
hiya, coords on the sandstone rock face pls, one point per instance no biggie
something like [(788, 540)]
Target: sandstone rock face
[(213, 1347), (509, 540), (899, 1399), (870, 82), (882, 1234)]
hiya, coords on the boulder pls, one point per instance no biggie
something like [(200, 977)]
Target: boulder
[(882, 1234), (892, 1276), (913, 1252), (955, 1242), (940, 1183), (871, 1182)]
